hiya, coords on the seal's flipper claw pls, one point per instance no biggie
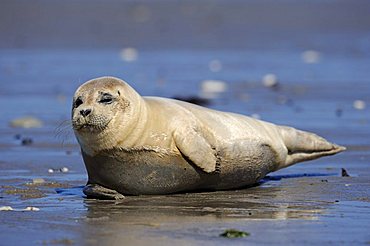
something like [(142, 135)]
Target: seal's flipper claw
[(196, 148), (100, 192)]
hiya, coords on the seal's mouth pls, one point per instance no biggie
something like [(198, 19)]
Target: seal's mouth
[(91, 124), (88, 127)]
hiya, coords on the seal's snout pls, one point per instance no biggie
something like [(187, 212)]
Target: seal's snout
[(85, 112), (89, 119)]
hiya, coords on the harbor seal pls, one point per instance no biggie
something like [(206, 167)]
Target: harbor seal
[(149, 145)]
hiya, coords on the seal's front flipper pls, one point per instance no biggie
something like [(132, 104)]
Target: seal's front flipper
[(100, 192), (195, 147)]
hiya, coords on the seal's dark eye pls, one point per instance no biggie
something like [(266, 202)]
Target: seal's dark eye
[(106, 98), (78, 102)]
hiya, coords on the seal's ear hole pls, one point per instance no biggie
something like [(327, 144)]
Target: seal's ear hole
[(119, 93)]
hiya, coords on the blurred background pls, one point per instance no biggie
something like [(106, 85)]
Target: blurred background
[(291, 62), (166, 24), (300, 63)]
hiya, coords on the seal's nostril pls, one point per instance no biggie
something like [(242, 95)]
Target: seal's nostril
[(85, 112)]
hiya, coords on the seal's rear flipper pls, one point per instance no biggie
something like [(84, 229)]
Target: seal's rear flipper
[(100, 192), (305, 146)]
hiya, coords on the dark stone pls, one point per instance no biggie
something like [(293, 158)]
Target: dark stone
[(345, 173)]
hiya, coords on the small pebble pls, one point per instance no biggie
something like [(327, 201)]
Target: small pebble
[(311, 56), (64, 169), (129, 54), (359, 104), (212, 88), (215, 65), (31, 209), (270, 80), (26, 122), (6, 208), (38, 181), (27, 141), (345, 173)]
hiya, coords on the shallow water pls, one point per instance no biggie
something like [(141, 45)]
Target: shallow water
[(307, 203)]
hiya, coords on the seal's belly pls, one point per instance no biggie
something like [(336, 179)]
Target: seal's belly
[(147, 172), (143, 172)]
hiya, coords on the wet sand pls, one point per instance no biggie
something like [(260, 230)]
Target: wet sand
[(309, 203)]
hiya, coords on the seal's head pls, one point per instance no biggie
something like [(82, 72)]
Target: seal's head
[(104, 110)]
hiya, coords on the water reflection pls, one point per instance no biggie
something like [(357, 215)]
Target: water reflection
[(194, 216), (252, 203)]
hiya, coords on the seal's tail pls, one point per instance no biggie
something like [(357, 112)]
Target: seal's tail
[(305, 146)]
